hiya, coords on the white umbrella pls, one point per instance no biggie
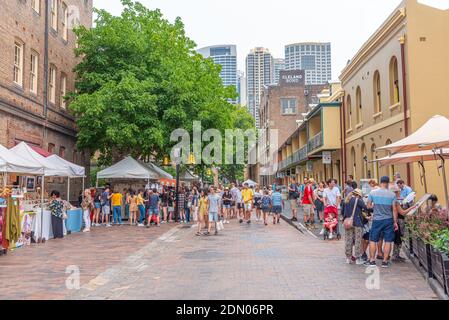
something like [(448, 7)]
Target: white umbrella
[(12, 163)]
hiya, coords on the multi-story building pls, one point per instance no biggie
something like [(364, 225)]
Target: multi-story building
[(282, 106), (36, 73), (313, 150), (313, 57), (226, 56), (278, 64), (393, 85), (259, 73), (241, 88)]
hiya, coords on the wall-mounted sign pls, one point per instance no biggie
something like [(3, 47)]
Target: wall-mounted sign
[(327, 157), (292, 77)]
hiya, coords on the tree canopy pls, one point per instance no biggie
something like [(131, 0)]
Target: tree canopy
[(139, 79)]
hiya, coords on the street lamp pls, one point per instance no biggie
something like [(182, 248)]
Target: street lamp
[(177, 159)]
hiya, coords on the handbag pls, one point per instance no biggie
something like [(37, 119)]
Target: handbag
[(220, 225), (349, 222)]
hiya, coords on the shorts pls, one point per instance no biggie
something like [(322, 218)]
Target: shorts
[(277, 209), (266, 209), (213, 216), (97, 205), (248, 206), (382, 226), (227, 206), (307, 208), (106, 210), (171, 209), (153, 211), (240, 206), (293, 204)]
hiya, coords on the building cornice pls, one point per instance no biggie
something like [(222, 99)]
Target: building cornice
[(395, 19)]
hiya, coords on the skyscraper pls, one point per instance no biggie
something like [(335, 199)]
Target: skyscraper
[(279, 64), (313, 57), (226, 56), (259, 73), (241, 88)]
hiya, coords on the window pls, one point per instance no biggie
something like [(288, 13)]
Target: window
[(18, 63), (62, 152), (364, 163), (375, 164), (391, 169), (34, 67), (54, 14), (36, 5), (51, 147), (52, 84), (358, 99), (65, 21), (354, 166), (394, 81), (377, 93), (63, 89), (349, 106), (288, 106)]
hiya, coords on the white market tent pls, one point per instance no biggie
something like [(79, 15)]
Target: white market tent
[(433, 136), (250, 182), (73, 170), (129, 168), (12, 163)]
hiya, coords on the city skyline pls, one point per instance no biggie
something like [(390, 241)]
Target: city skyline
[(283, 27)]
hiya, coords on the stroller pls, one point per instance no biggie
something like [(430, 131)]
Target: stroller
[(336, 232)]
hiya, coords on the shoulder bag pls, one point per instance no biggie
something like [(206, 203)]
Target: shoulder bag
[(349, 222)]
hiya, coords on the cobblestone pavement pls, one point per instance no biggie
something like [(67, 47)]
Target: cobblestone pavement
[(242, 262)]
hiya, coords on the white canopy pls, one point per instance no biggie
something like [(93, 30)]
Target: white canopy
[(73, 170), (434, 134), (129, 168), (410, 157), (250, 182), (11, 163), (33, 158)]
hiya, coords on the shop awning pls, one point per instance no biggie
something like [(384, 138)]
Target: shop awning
[(12, 163), (188, 176), (410, 157), (33, 158)]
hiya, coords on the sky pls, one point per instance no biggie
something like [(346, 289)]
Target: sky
[(347, 24)]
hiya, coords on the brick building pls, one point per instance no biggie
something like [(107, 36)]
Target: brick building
[(36, 72), (281, 110)]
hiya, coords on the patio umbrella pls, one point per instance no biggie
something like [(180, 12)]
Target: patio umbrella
[(433, 135)]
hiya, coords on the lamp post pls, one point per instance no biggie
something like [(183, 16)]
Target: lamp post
[(177, 154)]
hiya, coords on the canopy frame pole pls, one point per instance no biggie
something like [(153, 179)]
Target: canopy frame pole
[(83, 189), (42, 207), (443, 169), (423, 174), (68, 189)]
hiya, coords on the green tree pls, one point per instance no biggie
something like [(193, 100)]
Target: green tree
[(139, 79)]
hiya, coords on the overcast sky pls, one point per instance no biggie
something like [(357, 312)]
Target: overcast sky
[(347, 24)]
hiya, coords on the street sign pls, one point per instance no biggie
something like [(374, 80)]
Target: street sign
[(309, 166), (327, 157)]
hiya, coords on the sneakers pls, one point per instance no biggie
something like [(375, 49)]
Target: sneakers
[(365, 257), (370, 264), (331, 236), (386, 264), (108, 225), (241, 221), (140, 225), (321, 232), (248, 222), (348, 261)]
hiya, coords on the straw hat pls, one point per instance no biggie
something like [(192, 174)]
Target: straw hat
[(357, 192)]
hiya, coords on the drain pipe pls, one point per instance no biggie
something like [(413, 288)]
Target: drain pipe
[(404, 93)]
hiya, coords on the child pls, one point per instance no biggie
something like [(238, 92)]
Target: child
[(330, 223), (266, 206)]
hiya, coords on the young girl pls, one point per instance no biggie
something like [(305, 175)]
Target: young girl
[(202, 212), (133, 208), (266, 206), (257, 203), (330, 223), (319, 201)]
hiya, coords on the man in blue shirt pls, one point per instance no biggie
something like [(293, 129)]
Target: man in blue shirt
[(405, 190), (385, 218), (278, 203), (153, 213)]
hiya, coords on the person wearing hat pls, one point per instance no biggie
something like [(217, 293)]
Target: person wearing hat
[(385, 221), (354, 235)]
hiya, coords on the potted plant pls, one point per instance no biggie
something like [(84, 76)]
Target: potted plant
[(440, 257)]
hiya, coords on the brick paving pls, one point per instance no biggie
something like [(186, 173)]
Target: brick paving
[(242, 262)]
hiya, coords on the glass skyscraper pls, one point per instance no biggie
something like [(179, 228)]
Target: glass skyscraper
[(279, 64), (226, 56), (312, 57)]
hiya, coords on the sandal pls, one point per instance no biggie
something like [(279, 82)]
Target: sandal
[(198, 234)]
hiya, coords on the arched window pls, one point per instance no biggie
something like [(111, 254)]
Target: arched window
[(364, 162), (394, 81), (375, 164), (353, 163), (349, 115), (358, 99), (377, 93)]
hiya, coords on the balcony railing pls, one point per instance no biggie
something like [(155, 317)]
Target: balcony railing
[(303, 153), (297, 157), (316, 142)]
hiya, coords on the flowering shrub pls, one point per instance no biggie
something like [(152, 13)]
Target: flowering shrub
[(440, 241), (428, 225)]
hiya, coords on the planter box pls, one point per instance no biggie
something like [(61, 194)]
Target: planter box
[(414, 246), (424, 256), (407, 240), (438, 267)]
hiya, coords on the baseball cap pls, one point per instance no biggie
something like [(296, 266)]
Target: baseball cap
[(385, 179)]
